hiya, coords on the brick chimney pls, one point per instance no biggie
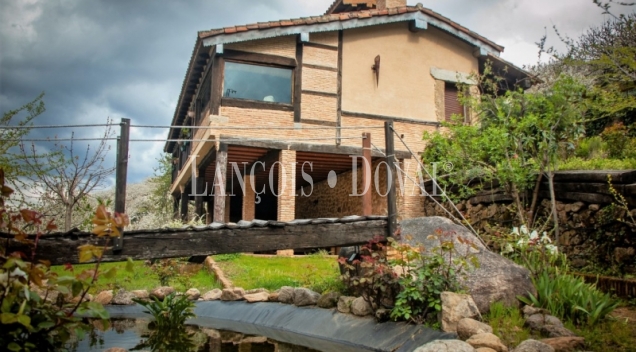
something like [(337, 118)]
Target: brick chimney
[(387, 4)]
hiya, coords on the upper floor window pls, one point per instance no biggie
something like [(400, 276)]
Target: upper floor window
[(452, 105), (256, 82)]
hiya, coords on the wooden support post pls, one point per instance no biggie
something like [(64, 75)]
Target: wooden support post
[(220, 183), (391, 196), (121, 174), (175, 207), (185, 199), (209, 211), (367, 195), (198, 198)]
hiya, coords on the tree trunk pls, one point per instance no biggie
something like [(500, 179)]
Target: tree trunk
[(555, 217), (535, 197), (68, 216)]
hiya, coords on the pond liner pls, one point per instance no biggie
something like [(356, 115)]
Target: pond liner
[(317, 328)]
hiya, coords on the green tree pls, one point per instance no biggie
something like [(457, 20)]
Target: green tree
[(516, 136)]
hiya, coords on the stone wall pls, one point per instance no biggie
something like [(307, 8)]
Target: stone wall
[(597, 233)]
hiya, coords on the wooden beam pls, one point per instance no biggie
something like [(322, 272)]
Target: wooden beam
[(322, 46), (216, 90), (367, 175), (121, 172), (259, 58), (320, 94), (391, 196), (198, 198), (306, 147), (339, 88), (184, 204), (156, 244), (220, 183), (389, 118), (320, 67), (256, 104), (298, 80)]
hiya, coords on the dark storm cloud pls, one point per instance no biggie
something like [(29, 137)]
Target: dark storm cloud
[(100, 59)]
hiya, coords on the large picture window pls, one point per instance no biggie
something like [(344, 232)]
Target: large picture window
[(256, 82)]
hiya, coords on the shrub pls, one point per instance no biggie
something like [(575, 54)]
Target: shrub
[(570, 298), (588, 148), (615, 138)]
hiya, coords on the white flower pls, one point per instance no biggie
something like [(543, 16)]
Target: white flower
[(545, 238), (507, 249), (524, 229), (515, 231), (552, 249), (534, 235)]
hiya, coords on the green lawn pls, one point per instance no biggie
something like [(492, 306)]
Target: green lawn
[(143, 277), (318, 272)]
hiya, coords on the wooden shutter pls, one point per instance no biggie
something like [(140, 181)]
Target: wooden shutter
[(451, 102)]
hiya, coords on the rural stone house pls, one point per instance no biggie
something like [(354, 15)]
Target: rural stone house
[(305, 90)]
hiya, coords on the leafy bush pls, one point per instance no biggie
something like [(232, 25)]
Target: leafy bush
[(411, 283), (615, 138), (31, 319), (589, 148), (570, 298)]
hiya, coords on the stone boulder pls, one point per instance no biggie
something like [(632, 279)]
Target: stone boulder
[(232, 294), (487, 340), (104, 297), (497, 279), (485, 349), (256, 297), (344, 304), (273, 297), (305, 297), (193, 294), (123, 297), (286, 295), (161, 292), (212, 295), (548, 325), (565, 344), (468, 327), (446, 346), (533, 346), (361, 307), (328, 300), (141, 294), (456, 307)]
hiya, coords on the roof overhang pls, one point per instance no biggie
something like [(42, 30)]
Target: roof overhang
[(421, 18), (514, 75)]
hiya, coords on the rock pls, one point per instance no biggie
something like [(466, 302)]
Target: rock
[(623, 254), (256, 290), (141, 294), (328, 300), (489, 340), (468, 327), (116, 349), (456, 307), (575, 207), (212, 295), (533, 346), (161, 292), (361, 307), (548, 325), (273, 297), (286, 295), (344, 304), (104, 297), (256, 297), (123, 297), (497, 279), (530, 310), (445, 346), (232, 294), (594, 207), (305, 297), (382, 314), (565, 344), (485, 349), (193, 294)]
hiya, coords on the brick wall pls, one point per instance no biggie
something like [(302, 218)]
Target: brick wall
[(320, 56), (286, 185), (319, 108), (281, 46), (327, 38), (320, 80), (249, 197)]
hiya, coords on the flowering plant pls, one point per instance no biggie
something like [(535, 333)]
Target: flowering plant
[(537, 253)]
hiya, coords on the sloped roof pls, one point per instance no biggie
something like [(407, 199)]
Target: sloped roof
[(342, 17)]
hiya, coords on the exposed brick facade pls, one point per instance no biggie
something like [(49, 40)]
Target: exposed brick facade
[(281, 46)]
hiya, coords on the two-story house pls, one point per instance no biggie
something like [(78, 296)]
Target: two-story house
[(291, 99)]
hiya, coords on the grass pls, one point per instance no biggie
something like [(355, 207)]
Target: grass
[(598, 164), (507, 323), (143, 277), (318, 272)]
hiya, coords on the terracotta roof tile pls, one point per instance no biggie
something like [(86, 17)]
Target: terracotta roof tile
[(344, 17)]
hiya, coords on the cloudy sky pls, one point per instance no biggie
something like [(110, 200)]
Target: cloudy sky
[(99, 59)]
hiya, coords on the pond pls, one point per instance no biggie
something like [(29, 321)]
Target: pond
[(230, 326), (134, 334)]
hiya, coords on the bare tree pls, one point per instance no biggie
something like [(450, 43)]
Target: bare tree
[(62, 182)]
